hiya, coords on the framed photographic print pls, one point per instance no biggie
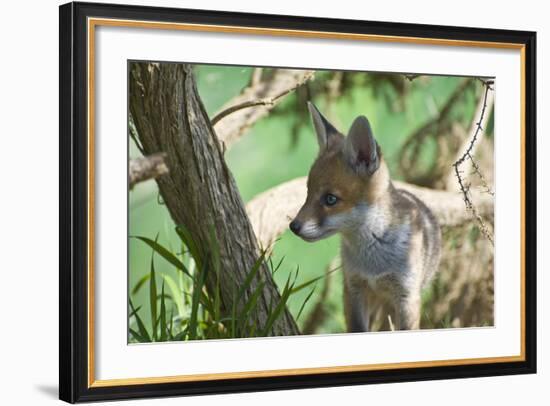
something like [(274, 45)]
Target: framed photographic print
[(256, 202)]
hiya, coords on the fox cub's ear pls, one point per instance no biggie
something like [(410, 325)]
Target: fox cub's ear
[(360, 148), (327, 135)]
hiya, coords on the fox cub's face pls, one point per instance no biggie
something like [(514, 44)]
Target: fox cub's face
[(343, 182)]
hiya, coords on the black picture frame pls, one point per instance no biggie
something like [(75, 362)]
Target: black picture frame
[(73, 255)]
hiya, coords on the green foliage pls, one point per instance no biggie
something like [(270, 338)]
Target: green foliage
[(199, 313)]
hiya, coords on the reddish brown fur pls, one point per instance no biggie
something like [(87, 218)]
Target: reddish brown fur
[(331, 173)]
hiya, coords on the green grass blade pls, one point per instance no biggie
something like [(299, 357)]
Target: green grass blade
[(308, 283), (162, 316), (166, 254), (153, 298), (171, 326), (165, 296), (197, 290), (250, 276), (141, 326), (177, 295), (275, 268), (139, 338), (250, 304), (304, 303), (276, 313), (189, 242), (133, 313), (140, 283)]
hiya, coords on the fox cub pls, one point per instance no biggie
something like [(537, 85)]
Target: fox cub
[(391, 241)]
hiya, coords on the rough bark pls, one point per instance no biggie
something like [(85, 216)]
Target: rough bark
[(199, 191), (271, 211)]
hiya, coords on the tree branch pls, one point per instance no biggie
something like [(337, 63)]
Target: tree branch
[(465, 160), (271, 211), (251, 103), (255, 102), (146, 167)]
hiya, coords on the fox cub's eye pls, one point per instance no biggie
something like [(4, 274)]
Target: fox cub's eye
[(330, 200)]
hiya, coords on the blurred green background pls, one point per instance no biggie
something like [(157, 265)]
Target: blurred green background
[(276, 150)]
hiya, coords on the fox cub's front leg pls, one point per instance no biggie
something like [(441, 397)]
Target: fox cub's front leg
[(407, 311), (355, 303)]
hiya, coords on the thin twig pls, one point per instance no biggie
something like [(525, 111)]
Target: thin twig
[(477, 132), (467, 156), (483, 180), (251, 103), (268, 101)]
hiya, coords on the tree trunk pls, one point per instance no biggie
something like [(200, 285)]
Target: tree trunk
[(199, 191)]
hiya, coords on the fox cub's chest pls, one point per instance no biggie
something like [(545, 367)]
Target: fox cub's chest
[(374, 256)]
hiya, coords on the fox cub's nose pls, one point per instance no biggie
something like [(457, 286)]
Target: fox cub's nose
[(295, 226)]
